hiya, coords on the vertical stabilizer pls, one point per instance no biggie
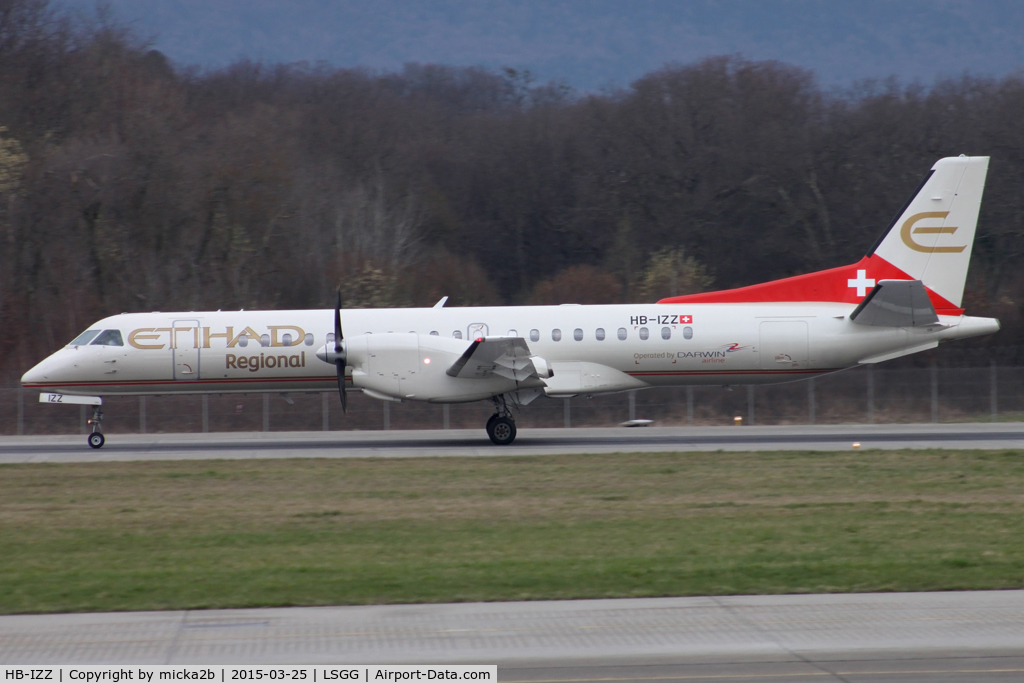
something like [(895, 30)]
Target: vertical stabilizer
[(931, 240)]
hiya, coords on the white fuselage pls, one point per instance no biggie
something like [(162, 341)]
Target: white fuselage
[(664, 344)]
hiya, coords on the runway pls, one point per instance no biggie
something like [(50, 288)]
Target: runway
[(473, 442), (872, 637)]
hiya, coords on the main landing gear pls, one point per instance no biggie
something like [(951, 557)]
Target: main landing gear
[(96, 439), (501, 428)]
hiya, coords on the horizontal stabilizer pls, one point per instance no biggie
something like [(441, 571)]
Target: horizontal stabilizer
[(896, 303), (507, 357)]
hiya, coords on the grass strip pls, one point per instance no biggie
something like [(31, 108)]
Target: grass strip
[(246, 533)]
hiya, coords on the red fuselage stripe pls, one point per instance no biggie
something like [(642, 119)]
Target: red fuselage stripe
[(181, 382), (184, 382), (726, 372)]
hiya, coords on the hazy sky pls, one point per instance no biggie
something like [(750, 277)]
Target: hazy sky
[(592, 43)]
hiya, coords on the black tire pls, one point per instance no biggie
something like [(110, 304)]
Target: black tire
[(490, 421), (501, 430), (96, 440)]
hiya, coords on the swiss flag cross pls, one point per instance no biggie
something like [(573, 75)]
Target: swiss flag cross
[(686, 319)]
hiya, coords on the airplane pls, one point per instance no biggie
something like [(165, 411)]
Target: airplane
[(904, 296)]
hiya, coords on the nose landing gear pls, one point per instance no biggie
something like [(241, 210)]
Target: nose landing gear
[(501, 428), (96, 439)]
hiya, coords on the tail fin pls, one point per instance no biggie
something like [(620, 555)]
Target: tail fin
[(930, 240)]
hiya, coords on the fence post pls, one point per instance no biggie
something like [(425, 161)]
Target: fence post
[(325, 414), (935, 392), (871, 393), (750, 404), (810, 401), (387, 415), (142, 414), (447, 416), (565, 413), (632, 404), (21, 411), (689, 405), (993, 390), (266, 412)]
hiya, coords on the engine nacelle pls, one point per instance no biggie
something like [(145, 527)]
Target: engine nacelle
[(408, 366)]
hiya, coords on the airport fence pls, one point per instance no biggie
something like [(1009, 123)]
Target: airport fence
[(862, 395)]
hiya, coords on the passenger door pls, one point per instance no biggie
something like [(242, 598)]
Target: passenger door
[(185, 344)]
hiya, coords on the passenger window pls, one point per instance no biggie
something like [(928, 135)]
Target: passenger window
[(687, 333), (84, 338), (108, 338), (556, 334), (599, 333), (622, 334), (666, 333), (513, 333), (457, 334), (286, 339), (644, 333), (577, 334), (330, 339), (534, 335), (243, 339), (433, 333), (309, 339), (264, 340)]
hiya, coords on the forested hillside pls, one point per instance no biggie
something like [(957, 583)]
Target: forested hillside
[(128, 183)]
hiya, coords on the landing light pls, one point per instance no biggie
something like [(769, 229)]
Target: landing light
[(426, 361)]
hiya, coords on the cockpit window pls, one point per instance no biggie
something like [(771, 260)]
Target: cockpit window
[(108, 338), (84, 338)]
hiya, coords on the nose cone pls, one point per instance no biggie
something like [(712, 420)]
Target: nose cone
[(33, 376), (45, 372)]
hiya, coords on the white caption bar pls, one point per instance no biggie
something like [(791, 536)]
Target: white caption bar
[(361, 673), (67, 398)]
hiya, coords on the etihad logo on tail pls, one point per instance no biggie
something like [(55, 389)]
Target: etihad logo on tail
[(908, 231)]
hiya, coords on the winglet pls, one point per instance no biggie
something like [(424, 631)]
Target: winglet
[(440, 304)]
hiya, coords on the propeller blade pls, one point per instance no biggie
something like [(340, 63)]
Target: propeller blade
[(337, 324), (341, 384), (340, 360)]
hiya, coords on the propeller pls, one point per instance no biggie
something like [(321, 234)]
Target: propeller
[(340, 357)]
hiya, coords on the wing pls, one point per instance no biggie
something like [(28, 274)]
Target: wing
[(896, 303), (507, 357)]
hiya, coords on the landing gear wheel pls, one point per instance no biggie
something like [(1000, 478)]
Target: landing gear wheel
[(502, 430), (96, 438)]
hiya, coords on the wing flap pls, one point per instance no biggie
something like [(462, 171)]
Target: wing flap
[(507, 357)]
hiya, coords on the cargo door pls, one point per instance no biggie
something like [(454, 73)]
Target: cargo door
[(783, 345)]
